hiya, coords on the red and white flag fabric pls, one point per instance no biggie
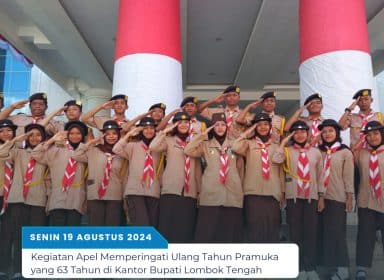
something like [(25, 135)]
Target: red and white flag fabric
[(148, 54), (334, 61)]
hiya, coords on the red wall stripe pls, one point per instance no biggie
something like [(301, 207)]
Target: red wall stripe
[(332, 25), (148, 26)]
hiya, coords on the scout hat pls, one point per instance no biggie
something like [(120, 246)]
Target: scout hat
[(312, 97), (298, 125), (362, 92), (232, 88), (181, 116)]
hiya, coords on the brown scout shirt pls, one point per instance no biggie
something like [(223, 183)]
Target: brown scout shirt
[(37, 194), (23, 120), (254, 182), (213, 192), (98, 121), (366, 198), (309, 120), (135, 154), (235, 130), (173, 176), (97, 161), (355, 123), (316, 183), (341, 180), (56, 157)]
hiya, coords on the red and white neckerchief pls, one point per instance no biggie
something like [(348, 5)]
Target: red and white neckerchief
[(192, 127), (28, 176), (374, 173), (70, 170), (364, 120), (120, 122), (315, 128), (327, 162), (303, 172), (107, 174), (187, 165), (8, 176), (224, 165), (229, 116), (265, 167), (148, 171)]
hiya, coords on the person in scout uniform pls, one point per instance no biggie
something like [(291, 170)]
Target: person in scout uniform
[(27, 196), (189, 106), (180, 187), (221, 196), (304, 193), (357, 121), (370, 160), (104, 189), (38, 104), (313, 104), (7, 133), (268, 104), (156, 112), (119, 104), (231, 97), (142, 190), (66, 200), (263, 183), (338, 195)]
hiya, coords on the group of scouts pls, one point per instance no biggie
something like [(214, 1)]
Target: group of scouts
[(224, 181)]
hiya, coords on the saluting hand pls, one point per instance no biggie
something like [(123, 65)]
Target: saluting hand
[(354, 104), (19, 104), (219, 98), (21, 137), (170, 128), (134, 132), (108, 105), (284, 142), (60, 136), (207, 130), (246, 133), (97, 140)]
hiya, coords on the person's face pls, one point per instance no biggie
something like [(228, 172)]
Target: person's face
[(149, 131), (300, 136), (263, 128), (220, 128), (35, 138), (37, 107), (157, 114), (6, 134), (190, 108), (73, 113), (269, 104), (374, 137), (364, 102), (328, 133), (119, 106), (232, 98), (1, 104), (183, 126), (111, 136), (74, 135), (315, 107)]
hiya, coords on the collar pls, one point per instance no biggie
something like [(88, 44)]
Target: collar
[(236, 110)]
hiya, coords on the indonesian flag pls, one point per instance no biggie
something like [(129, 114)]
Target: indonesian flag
[(148, 54)]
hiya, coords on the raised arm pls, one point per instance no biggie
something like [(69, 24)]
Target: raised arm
[(88, 117), (8, 111)]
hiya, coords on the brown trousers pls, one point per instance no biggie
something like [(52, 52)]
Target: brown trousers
[(334, 230), (218, 224), (369, 222), (64, 217), (262, 219), (105, 212), (143, 210), (15, 217), (302, 220), (177, 218)]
